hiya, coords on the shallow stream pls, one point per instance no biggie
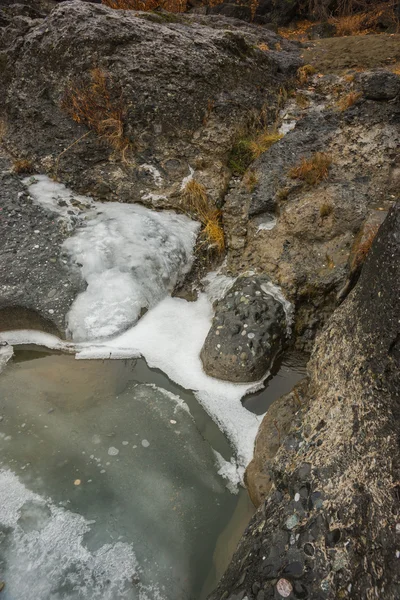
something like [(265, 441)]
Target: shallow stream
[(108, 482)]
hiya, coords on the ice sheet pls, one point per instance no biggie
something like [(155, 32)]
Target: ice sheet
[(130, 257), (170, 338), (47, 556)]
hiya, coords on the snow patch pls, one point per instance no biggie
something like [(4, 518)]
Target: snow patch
[(267, 225), (217, 285), (6, 352), (230, 471), (38, 338), (170, 337), (187, 179), (158, 180), (276, 292)]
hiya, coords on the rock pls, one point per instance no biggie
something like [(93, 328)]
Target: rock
[(340, 471), (380, 85), (247, 332), (307, 250), (321, 30), (184, 86), (272, 431), (29, 276)]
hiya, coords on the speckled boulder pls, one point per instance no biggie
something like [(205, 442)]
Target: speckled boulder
[(247, 333)]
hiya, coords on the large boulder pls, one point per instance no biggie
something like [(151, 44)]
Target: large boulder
[(169, 92), (330, 526), (247, 332)]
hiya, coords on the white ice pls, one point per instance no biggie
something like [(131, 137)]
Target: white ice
[(170, 337), (6, 352), (130, 257), (46, 552)]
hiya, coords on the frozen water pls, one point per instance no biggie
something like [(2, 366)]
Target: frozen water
[(6, 352), (170, 337), (115, 524), (46, 556), (129, 256)]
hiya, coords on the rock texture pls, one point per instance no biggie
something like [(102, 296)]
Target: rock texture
[(330, 528), (36, 285), (308, 251), (247, 332), (185, 85)]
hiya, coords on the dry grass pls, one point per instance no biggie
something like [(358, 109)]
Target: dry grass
[(362, 23), (263, 141), (297, 33), (250, 180), (195, 202), (312, 170), (396, 69), (348, 100), (248, 149), (363, 245), (283, 194), (98, 104), (263, 46), (23, 165), (325, 210), (147, 5), (302, 101), (304, 73)]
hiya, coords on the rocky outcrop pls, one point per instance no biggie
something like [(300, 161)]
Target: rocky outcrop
[(172, 93), (301, 233), (330, 527), (263, 12), (247, 332)]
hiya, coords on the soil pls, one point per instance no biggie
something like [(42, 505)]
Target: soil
[(334, 55)]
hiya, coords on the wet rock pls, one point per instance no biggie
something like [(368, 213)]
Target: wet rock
[(35, 291), (272, 431), (247, 332), (348, 539), (380, 85)]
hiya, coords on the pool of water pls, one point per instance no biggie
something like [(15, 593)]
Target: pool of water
[(108, 484)]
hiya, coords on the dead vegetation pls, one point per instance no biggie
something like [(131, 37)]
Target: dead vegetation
[(325, 210), (147, 5), (312, 170), (362, 245), (22, 166), (97, 103), (304, 73), (348, 100), (196, 203)]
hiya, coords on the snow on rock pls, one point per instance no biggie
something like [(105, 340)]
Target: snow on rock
[(131, 257), (38, 338), (170, 337)]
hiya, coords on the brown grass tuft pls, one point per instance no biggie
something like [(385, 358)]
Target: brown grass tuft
[(263, 141), (348, 100), (325, 210), (22, 165), (263, 46), (195, 202), (364, 245), (312, 170), (304, 72), (250, 180), (99, 105)]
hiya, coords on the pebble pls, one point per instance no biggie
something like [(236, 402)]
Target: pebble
[(77, 482), (145, 443), (292, 521), (113, 451), (297, 497), (284, 588), (125, 443)]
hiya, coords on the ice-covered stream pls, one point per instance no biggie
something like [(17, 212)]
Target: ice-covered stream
[(111, 475)]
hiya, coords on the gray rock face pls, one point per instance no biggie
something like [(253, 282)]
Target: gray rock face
[(186, 84), (380, 85), (248, 331), (329, 527), (36, 286)]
